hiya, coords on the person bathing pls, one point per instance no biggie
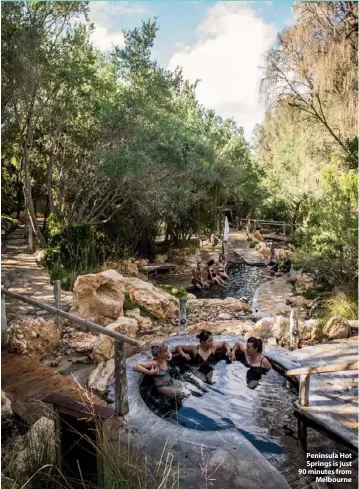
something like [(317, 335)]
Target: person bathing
[(203, 355), (254, 359), (222, 267), (158, 367)]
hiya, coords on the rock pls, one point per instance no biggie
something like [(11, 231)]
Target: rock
[(299, 302), (280, 327), (197, 328), (160, 259), (157, 302), (224, 316), (101, 377), (272, 341), (143, 262), (305, 333), (99, 297), (191, 296), (263, 328), (258, 236), (85, 359), (145, 323), (133, 313), (316, 334), (80, 341), (353, 323), (38, 444), (32, 336), (230, 304), (127, 268), (336, 328), (104, 348), (5, 405), (222, 463), (40, 258)]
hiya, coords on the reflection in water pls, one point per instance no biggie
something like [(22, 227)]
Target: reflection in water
[(259, 406)]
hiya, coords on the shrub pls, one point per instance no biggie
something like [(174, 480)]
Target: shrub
[(179, 292)]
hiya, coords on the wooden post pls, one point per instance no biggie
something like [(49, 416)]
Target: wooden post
[(302, 433), (237, 223), (121, 397), (3, 318), (294, 328), (182, 316), (284, 229), (304, 385), (31, 238), (57, 296)]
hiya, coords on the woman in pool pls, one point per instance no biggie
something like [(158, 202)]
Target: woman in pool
[(159, 369), (254, 359), (203, 355)]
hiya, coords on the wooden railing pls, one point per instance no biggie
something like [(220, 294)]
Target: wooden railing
[(121, 396), (306, 372), (284, 225)]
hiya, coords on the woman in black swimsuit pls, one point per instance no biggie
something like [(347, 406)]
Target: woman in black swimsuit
[(203, 355), (257, 363)]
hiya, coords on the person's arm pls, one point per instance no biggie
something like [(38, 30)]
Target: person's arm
[(183, 350), (223, 344), (266, 363), (237, 346), (148, 368)]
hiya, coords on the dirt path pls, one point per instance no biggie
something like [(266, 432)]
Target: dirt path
[(21, 274)]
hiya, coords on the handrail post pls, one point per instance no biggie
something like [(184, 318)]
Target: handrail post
[(294, 328), (57, 296), (182, 316), (304, 385), (3, 318), (121, 396)]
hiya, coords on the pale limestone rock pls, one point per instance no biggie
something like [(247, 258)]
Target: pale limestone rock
[(80, 341), (5, 405), (337, 328), (99, 297), (104, 348), (101, 377), (158, 303), (32, 336)]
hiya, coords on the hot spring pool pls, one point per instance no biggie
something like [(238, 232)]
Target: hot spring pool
[(263, 415)]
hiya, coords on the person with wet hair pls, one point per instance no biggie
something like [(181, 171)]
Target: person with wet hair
[(202, 356), (158, 367), (254, 359)]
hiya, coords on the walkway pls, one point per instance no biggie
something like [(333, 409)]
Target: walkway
[(20, 273), (27, 382)]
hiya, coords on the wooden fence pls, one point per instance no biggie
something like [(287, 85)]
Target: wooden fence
[(252, 223), (121, 395)]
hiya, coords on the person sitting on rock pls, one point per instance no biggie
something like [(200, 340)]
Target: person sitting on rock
[(158, 367), (212, 274), (254, 359), (222, 265), (202, 356), (197, 280)]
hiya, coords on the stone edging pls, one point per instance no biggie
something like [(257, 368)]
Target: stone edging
[(258, 293)]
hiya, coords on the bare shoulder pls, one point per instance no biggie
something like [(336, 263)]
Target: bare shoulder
[(266, 363)]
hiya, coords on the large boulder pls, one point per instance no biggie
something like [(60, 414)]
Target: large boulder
[(99, 297), (101, 377), (228, 304), (158, 303), (32, 336), (271, 327), (235, 327), (104, 348), (337, 328), (161, 259)]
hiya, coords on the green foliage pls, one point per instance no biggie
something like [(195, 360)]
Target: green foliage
[(72, 250), (179, 292), (8, 223), (344, 303), (254, 244)]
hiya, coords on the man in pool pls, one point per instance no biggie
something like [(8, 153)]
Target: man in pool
[(254, 359)]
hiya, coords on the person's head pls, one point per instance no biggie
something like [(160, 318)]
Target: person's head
[(221, 258), (254, 345), (210, 263), (159, 349), (199, 264), (205, 338)]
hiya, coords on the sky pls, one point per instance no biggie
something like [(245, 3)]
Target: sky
[(222, 44)]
